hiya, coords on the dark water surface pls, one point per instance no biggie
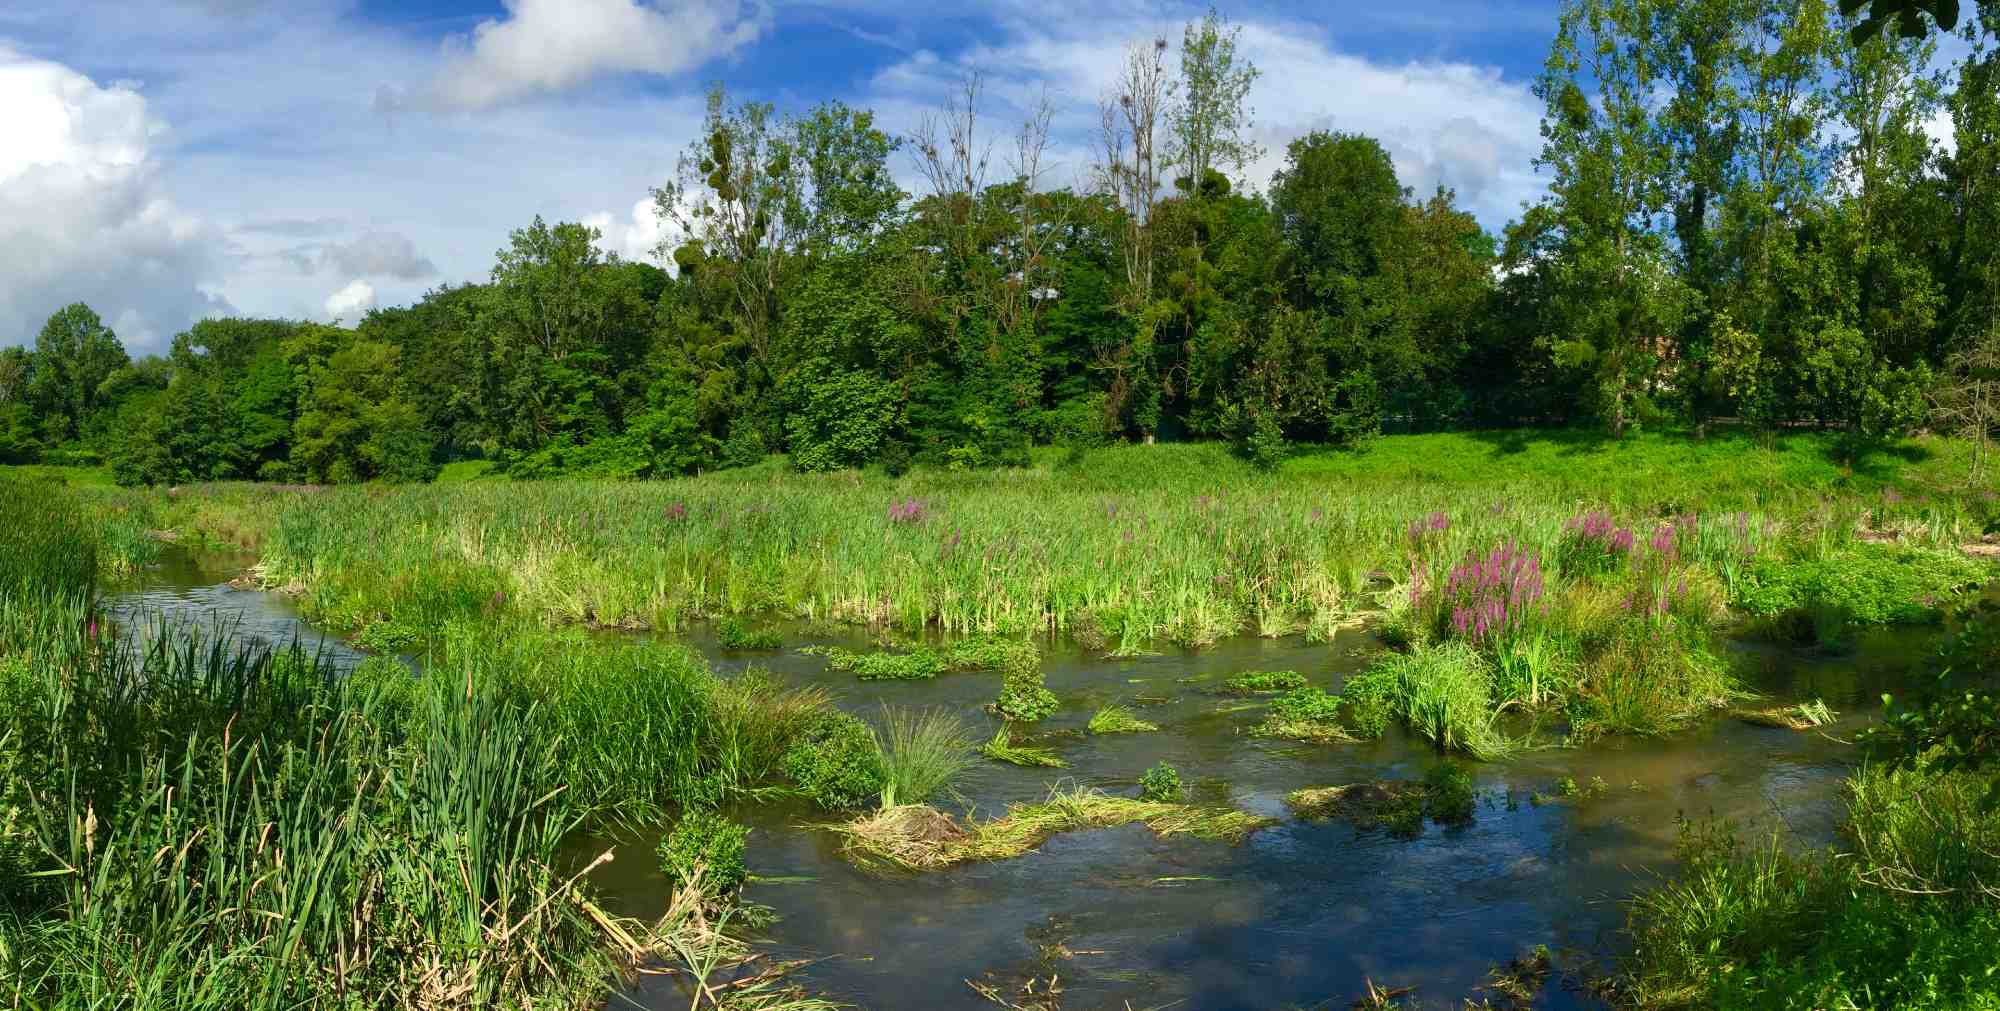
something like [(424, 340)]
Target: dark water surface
[(1302, 913)]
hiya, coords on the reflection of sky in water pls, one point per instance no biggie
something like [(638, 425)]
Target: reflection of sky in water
[(1300, 914)]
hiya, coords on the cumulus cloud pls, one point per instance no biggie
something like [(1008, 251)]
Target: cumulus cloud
[(551, 45), (82, 215), (352, 302), (633, 238)]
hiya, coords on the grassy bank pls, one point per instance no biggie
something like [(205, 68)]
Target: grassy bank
[(188, 823)]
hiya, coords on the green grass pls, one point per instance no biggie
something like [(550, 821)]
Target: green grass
[(1905, 916), (76, 477), (1261, 682), (1003, 748), (1131, 546), (1117, 719), (202, 824), (923, 752)]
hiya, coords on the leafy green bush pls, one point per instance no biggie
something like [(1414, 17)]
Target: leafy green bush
[(706, 844), (1024, 696), (1161, 784), (388, 637), (836, 763)]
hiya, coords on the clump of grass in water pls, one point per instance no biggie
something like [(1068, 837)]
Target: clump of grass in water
[(918, 837), (1306, 714), (1002, 748), (1802, 716), (921, 663), (923, 751), (1117, 719), (1261, 682), (1445, 795), (732, 634)]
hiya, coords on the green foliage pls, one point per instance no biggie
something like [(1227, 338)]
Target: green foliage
[(1161, 784), (922, 753), (1866, 584), (1024, 696), (1117, 719), (1257, 682), (836, 763), (1905, 920), (705, 848), (733, 634), (1003, 748)]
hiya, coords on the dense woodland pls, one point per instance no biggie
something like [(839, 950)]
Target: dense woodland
[(1747, 218)]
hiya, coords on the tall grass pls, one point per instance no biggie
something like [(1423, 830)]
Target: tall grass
[(923, 752), (187, 822), (1132, 546), (1908, 916)]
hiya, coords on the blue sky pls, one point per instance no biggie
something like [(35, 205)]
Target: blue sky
[(314, 158)]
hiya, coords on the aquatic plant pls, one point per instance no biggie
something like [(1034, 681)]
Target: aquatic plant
[(1113, 718), (1161, 783), (707, 849), (923, 752), (1258, 682), (1024, 696), (1488, 597), (733, 634), (1004, 749), (1798, 716), (1904, 917), (836, 762), (1306, 714), (1444, 795)]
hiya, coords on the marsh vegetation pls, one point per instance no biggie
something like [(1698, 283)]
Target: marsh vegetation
[(529, 766)]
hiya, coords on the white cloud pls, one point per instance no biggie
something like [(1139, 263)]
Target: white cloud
[(634, 238), (352, 302), (1454, 123), (82, 215), (552, 45)]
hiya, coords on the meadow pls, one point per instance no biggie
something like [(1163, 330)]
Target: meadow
[(185, 820)]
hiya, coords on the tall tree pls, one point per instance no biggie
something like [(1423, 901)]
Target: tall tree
[(74, 354)]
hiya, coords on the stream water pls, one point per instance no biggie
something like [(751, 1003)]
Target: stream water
[(1299, 915)]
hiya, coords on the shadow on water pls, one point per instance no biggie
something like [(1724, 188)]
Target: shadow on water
[(1300, 914)]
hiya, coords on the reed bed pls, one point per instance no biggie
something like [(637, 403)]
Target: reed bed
[(1130, 547)]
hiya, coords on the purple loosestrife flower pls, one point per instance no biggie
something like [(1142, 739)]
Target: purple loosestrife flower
[(907, 511), (676, 512)]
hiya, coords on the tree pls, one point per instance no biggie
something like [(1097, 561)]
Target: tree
[(355, 423), (1906, 15), (74, 354), (1212, 123), (1966, 402)]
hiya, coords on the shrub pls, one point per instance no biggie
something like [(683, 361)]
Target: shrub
[(836, 763), (1161, 784), (705, 847)]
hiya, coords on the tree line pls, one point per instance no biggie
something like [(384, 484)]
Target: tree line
[(1748, 218)]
